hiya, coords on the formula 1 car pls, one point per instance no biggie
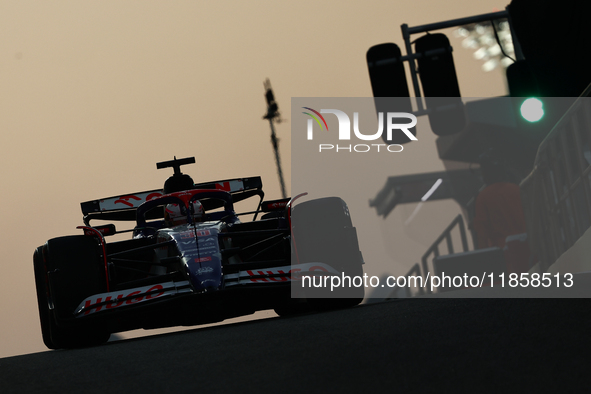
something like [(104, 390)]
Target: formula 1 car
[(191, 260)]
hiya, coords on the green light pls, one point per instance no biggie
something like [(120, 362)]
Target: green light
[(532, 110)]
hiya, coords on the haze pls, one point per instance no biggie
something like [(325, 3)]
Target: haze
[(94, 93)]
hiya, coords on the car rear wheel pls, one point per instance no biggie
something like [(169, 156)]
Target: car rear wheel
[(323, 232)]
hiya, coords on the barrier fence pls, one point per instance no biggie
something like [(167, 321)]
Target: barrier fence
[(556, 194), (435, 251)]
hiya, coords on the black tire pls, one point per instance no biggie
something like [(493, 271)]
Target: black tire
[(71, 268), (323, 232), (42, 300)]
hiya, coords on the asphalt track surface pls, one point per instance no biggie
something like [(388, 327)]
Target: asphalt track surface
[(409, 345)]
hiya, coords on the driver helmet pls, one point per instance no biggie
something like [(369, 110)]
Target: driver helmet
[(174, 214)]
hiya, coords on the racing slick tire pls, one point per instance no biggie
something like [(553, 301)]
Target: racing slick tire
[(67, 270), (323, 232), (42, 299)]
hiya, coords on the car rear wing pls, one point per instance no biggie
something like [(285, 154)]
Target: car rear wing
[(123, 207)]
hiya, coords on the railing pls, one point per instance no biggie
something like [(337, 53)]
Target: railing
[(404, 292), (556, 194), (435, 251)]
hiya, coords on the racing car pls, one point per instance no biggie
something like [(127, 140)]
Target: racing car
[(191, 260)]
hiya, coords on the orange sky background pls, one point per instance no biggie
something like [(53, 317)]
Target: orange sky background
[(94, 93)]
